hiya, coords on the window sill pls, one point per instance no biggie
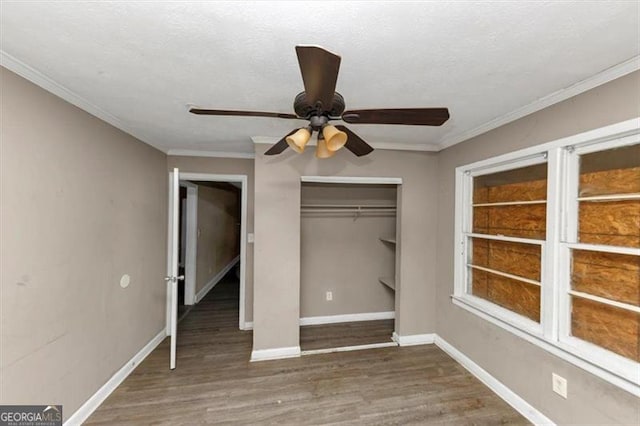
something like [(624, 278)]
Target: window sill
[(537, 339)]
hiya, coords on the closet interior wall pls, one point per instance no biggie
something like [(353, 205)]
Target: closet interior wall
[(341, 250)]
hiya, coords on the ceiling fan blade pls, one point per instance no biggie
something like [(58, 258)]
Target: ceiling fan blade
[(200, 111), (281, 145), (410, 116), (354, 143), (319, 70)]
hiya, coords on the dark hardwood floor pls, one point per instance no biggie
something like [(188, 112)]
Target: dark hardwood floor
[(345, 334), (214, 382)]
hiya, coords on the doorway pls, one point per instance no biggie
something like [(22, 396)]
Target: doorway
[(215, 229)]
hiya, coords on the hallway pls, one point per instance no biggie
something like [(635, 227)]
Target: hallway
[(214, 382)]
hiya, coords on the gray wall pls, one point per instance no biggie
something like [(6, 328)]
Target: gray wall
[(82, 204), (343, 254), (226, 166), (218, 232), (521, 366), (277, 232)]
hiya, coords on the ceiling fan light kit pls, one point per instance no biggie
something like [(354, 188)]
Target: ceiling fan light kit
[(322, 150), (335, 139), (320, 103), (299, 139)]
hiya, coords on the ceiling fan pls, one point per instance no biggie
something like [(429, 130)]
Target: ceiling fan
[(320, 103)]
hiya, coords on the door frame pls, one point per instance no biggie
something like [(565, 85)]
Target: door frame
[(212, 177), (377, 180), (190, 213)]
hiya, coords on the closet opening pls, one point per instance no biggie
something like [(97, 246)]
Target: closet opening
[(348, 280)]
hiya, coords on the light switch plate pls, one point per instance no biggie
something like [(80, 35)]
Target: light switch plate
[(559, 385), (250, 237)]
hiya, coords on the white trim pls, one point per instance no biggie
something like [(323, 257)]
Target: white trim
[(216, 279), (631, 251), (276, 353), (169, 267), (413, 339), (505, 238), (420, 147), (506, 275), (352, 179), (248, 325), (605, 301), (212, 177), (553, 348), (39, 79), (333, 319), (509, 203), (509, 396), (86, 409), (611, 197), (216, 154), (599, 79), (173, 243), (348, 348), (190, 214)]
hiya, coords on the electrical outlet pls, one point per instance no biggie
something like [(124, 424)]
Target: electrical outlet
[(559, 385), (329, 296), (250, 237)]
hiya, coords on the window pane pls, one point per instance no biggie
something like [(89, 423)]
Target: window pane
[(615, 329), (610, 173), (610, 275), (513, 258), (615, 223), (517, 296), (614, 171), (498, 198)]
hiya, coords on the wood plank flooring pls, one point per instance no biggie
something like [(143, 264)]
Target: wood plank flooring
[(214, 383), (345, 334)]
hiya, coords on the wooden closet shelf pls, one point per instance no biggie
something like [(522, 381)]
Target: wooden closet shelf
[(389, 282)]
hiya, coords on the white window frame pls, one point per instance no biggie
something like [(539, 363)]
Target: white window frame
[(553, 331)]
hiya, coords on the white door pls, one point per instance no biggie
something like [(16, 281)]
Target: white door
[(172, 268)]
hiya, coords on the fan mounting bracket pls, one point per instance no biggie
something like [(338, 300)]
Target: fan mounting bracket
[(304, 109)]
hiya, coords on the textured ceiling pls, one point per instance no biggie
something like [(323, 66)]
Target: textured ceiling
[(144, 62)]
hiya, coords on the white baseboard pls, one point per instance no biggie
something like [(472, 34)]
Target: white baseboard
[(333, 319), (348, 348), (510, 397), (216, 279), (414, 339), (98, 398), (277, 353), (248, 325)]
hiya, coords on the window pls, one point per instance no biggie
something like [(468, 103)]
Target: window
[(549, 248)]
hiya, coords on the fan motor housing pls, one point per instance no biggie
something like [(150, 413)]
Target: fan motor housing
[(303, 108)]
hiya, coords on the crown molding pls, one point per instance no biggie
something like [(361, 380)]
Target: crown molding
[(39, 79), (217, 154), (269, 140), (610, 74)]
